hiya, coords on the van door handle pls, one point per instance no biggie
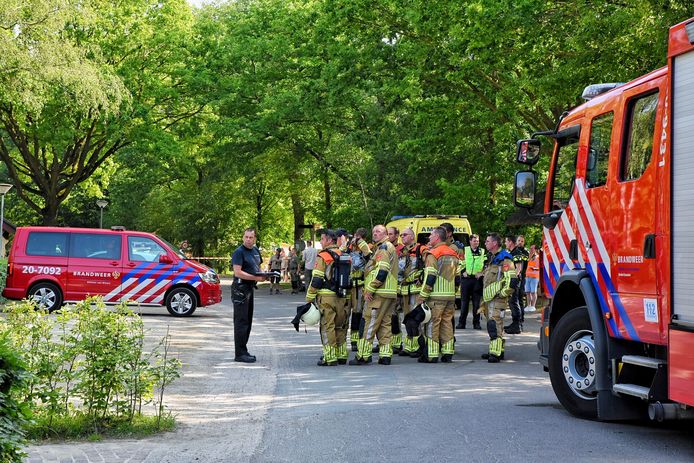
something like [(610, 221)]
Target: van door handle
[(131, 264), (115, 263)]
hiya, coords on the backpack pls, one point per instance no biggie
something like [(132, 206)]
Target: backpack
[(340, 274)]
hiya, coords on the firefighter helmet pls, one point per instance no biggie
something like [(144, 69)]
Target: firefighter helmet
[(427, 311), (312, 316)]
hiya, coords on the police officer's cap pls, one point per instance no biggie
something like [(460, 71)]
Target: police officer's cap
[(328, 232)]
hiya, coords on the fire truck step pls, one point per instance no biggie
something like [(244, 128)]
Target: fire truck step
[(642, 361), (632, 389)]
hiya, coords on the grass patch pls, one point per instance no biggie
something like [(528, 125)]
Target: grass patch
[(83, 427)]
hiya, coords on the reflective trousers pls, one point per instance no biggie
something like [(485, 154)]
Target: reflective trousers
[(375, 323), (439, 330), (333, 326), (357, 306)]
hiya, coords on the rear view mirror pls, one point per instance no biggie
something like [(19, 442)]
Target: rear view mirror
[(524, 189), (528, 151)]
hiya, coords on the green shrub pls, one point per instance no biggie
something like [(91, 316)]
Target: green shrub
[(3, 277), (14, 413), (89, 365)]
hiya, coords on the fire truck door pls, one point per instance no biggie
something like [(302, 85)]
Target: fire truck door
[(634, 215)]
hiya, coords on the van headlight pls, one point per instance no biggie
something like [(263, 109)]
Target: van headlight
[(209, 277)]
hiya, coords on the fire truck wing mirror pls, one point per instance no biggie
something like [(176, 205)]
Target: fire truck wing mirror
[(165, 259), (524, 189), (528, 151)]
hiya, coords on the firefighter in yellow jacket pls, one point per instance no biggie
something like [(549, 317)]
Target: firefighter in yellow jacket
[(411, 265), (438, 291), (333, 322), (380, 292), (361, 252), (499, 283)]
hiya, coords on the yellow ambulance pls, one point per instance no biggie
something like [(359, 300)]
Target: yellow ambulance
[(424, 224)]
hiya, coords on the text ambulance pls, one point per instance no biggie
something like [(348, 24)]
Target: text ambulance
[(53, 265), (618, 244)]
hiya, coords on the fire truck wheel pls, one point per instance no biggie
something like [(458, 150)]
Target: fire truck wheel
[(181, 302), (46, 296), (572, 364)]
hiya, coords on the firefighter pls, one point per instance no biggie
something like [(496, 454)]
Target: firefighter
[(458, 247), (500, 282), (380, 291), (333, 321), (361, 252), (470, 283), (396, 317), (516, 326), (411, 264), (438, 291)]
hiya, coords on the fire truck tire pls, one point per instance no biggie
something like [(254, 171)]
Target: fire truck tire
[(572, 364), (46, 295), (181, 302)]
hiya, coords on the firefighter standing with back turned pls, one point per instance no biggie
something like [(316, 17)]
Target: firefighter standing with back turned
[(333, 314), (500, 281), (360, 252), (380, 291), (438, 291), (411, 263)]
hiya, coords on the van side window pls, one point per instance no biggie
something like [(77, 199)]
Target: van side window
[(47, 244), (143, 249), (637, 151), (599, 150), (564, 172), (95, 246)]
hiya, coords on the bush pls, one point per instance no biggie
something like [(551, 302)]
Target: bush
[(14, 413), (3, 277), (89, 365)]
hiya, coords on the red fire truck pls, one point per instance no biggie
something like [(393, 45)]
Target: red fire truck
[(618, 241)]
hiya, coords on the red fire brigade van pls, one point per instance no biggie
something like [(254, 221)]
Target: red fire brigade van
[(54, 265), (618, 224)]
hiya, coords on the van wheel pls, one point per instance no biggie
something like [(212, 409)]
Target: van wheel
[(181, 302), (572, 364), (47, 296)]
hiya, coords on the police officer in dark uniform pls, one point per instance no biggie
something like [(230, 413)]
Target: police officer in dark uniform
[(246, 262)]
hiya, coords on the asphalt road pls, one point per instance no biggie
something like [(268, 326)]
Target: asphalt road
[(284, 408)]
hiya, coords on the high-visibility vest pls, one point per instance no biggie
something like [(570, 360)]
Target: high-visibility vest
[(533, 267)]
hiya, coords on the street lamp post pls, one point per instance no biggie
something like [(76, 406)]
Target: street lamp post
[(102, 203), (4, 188)]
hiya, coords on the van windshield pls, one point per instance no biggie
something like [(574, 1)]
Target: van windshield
[(174, 249)]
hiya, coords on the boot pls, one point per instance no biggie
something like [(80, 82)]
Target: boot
[(384, 361), (359, 361), (342, 361), (486, 356), (513, 328), (447, 358), (425, 359), (493, 359), (323, 363)]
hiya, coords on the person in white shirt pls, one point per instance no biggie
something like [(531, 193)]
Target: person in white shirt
[(309, 257)]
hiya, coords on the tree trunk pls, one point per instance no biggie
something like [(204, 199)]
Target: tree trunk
[(299, 217), (328, 200)]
